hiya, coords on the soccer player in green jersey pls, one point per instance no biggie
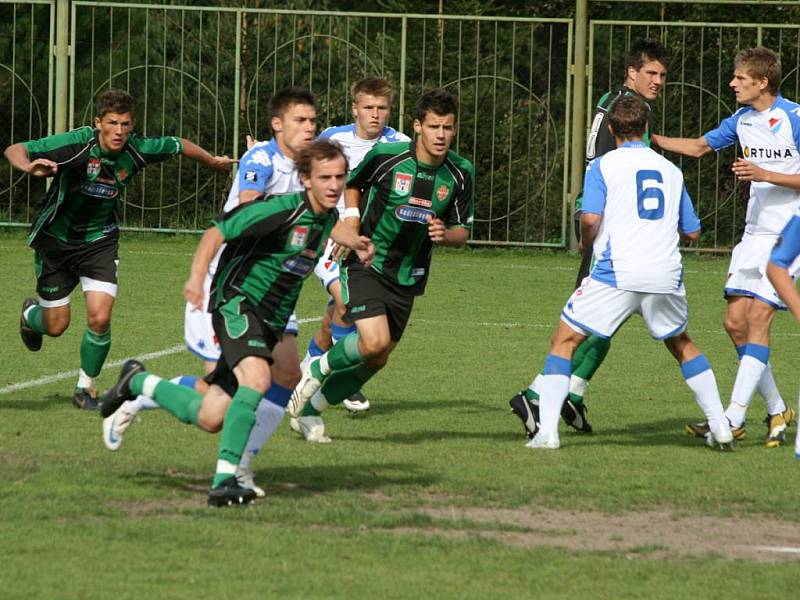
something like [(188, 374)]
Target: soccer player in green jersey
[(272, 246), (76, 236), (410, 196), (645, 73)]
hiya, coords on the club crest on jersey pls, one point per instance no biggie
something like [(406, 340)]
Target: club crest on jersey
[(402, 183), (93, 167), (775, 124), (122, 175), (251, 176), (299, 236), (442, 192), (420, 202), (412, 214)]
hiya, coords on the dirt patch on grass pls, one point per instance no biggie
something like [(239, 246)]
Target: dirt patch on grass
[(654, 534)]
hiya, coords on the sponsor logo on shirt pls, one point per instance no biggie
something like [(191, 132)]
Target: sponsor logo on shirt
[(418, 272), (420, 202), (402, 183), (749, 152), (412, 214), (309, 252), (256, 343), (93, 167), (442, 192), (299, 236), (251, 176), (99, 190), (774, 124), (424, 176), (298, 265)]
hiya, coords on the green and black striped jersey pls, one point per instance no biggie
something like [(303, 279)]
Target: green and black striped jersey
[(81, 204), (398, 195), (273, 244)]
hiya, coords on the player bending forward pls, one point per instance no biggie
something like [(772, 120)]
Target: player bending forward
[(272, 246), (634, 204)]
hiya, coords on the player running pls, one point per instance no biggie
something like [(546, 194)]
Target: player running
[(634, 205)]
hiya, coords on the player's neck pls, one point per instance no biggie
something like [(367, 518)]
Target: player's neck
[(316, 205), (426, 158), (363, 135), (763, 102), (620, 141), (285, 150)]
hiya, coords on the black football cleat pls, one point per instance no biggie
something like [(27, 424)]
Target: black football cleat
[(85, 399), (230, 493), (31, 339), (574, 415), (121, 390), (527, 411)]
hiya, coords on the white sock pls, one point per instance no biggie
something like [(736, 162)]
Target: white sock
[(324, 367), (318, 401), (536, 385), (554, 388), (268, 417), (149, 385), (769, 391), (84, 381), (577, 385), (143, 402), (747, 377), (706, 393)]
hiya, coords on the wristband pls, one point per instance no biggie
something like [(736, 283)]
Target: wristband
[(352, 212)]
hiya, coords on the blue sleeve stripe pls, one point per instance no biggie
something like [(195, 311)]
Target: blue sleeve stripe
[(757, 351), (687, 217), (788, 246), (691, 368), (557, 365)]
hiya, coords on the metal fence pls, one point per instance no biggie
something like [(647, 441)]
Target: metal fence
[(696, 98), (207, 73)]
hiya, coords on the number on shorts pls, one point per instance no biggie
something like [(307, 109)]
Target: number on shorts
[(649, 200)]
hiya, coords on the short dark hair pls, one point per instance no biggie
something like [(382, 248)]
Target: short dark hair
[(372, 86), (438, 101), (286, 97), (758, 63), (628, 117), (114, 101), (321, 149), (644, 50)]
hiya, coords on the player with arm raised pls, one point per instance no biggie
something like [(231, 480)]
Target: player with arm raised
[(76, 235), (634, 206), (768, 129)]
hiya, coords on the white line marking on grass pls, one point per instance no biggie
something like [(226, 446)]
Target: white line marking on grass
[(783, 549), (109, 365)]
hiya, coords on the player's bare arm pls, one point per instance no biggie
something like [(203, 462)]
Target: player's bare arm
[(694, 147), (17, 155), (747, 171), (206, 249), (346, 238), (196, 153), (590, 225), (783, 284), (439, 234)]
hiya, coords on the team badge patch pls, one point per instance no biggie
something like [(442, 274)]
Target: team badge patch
[(93, 167), (251, 176), (442, 192), (122, 175), (775, 124), (412, 214), (402, 183), (299, 236)]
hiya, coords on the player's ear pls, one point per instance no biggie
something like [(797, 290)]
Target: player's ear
[(97, 121), (276, 124), (417, 126), (353, 107)]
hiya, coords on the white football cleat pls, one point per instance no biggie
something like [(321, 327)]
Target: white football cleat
[(313, 429), (115, 426), (356, 403), (307, 387), (544, 442), (244, 476), (294, 425), (720, 438)]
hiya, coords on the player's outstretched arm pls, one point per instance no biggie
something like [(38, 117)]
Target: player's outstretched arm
[(694, 147), (783, 284), (345, 237), (17, 155), (206, 249), (747, 171), (196, 153)]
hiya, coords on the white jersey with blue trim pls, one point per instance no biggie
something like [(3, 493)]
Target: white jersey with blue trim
[(355, 148), (771, 140), (264, 169), (644, 203)]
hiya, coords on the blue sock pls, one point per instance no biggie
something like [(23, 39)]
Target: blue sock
[(338, 331), (278, 395), (314, 349), (188, 381)]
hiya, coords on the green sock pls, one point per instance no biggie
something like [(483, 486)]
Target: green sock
[(344, 354), (94, 349), (179, 400), (340, 385), (592, 352), (34, 319), (239, 421)]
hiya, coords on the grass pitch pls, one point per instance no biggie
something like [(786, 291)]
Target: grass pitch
[(432, 494)]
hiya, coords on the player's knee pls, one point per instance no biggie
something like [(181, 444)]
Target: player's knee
[(99, 322), (760, 315), (735, 326), (209, 423), (374, 348)]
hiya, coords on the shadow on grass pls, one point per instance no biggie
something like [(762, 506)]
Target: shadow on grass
[(300, 481), (428, 436), (663, 432), (41, 403)]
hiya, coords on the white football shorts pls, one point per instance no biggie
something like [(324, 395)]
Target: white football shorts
[(597, 308), (747, 272)]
